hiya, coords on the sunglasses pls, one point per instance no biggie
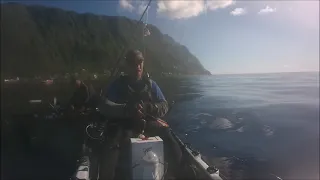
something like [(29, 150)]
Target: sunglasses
[(134, 62)]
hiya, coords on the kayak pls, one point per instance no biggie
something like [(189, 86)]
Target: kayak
[(194, 157), (194, 167), (88, 165)]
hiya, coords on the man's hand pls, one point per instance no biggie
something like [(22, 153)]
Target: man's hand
[(139, 112), (135, 111)]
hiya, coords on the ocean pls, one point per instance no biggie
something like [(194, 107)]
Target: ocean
[(252, 126), (256, 126)]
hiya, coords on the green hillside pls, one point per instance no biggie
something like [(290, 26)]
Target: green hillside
[(38, 40)]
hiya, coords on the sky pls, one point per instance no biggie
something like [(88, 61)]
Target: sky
[(227, 36)]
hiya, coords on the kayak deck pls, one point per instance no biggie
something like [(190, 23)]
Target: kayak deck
[(117, 163)]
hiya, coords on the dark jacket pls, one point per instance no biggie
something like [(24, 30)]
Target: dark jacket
[(122, 92), (80, 96)]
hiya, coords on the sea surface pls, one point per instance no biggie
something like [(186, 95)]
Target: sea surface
[(256, 126)]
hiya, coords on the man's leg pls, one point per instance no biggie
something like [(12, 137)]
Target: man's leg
[(123, 171), (109, 154)]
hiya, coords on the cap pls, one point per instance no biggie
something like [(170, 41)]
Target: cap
[(134, 55)]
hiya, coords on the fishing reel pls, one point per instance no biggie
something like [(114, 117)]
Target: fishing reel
[(95, 131)]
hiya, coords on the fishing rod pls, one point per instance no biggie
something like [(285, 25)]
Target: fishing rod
[(145, 32), (115, 68)]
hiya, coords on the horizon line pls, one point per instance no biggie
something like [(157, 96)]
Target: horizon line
[(246, 73)]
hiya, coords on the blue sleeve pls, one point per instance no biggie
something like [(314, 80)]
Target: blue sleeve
[(157, 92), (112, 92)]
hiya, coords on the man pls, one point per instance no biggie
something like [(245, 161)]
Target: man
[(132, 98), (132, 89), (80, 96)]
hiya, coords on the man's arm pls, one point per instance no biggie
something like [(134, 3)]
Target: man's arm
[(72, 100), (109, 105), (159, 106), (86, 91)]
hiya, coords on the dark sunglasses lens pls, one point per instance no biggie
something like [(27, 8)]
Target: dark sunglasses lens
[(134, 62)]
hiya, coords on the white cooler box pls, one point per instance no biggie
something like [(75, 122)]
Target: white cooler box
[(147, 158)]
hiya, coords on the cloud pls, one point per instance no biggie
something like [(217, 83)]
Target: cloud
[(133, 5), (238, 12), (127, 5), (182, 9), (267, 10), (216, 4), (177, 9)]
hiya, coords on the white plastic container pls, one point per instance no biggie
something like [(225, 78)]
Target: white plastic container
[(83, 169), (147, 158)]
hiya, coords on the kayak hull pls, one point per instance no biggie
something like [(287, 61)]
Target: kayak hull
[(192, 165)]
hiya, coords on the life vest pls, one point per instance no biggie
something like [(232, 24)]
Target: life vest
[(129, 94), (135, 94)]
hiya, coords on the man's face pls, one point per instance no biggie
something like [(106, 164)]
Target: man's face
[(78, 83), (135, 68)]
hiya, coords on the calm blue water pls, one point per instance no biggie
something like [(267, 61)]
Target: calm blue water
[(252, 125)]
